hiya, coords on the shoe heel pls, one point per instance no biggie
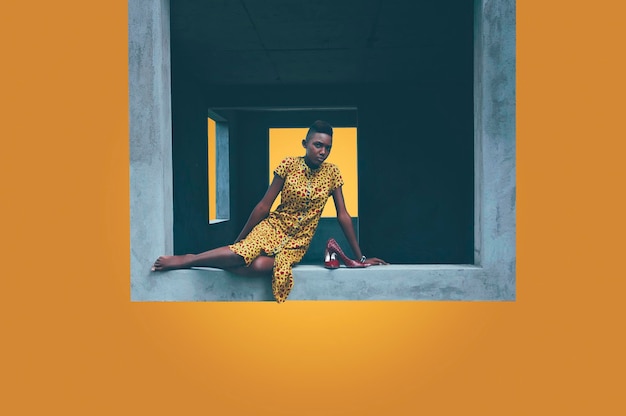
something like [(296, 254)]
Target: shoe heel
[(333, 247), (331, 261)]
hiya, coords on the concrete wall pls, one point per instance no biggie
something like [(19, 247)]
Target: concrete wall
[(150, 141), (483, 233), (494, 103)]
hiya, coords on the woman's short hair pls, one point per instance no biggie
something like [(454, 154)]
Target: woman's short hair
[(319, 126)]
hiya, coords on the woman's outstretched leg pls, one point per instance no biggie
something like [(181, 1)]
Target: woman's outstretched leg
[(221, 257)]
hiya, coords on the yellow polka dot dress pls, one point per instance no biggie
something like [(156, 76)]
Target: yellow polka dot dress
[(287, 232)]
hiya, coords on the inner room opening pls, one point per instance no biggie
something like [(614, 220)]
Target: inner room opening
[(287, 142)]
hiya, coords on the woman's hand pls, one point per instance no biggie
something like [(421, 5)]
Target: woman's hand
[(375, 261)]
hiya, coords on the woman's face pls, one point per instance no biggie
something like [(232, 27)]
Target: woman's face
[(317, 148)]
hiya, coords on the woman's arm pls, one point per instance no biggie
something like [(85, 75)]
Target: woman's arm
[(345, 220), (262, 209)]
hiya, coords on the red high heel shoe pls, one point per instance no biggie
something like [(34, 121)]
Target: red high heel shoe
[(330, 257)]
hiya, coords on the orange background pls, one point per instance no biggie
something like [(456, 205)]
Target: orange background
[(72, 343)]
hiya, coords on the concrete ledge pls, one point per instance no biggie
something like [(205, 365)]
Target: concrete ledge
[(393, 282)]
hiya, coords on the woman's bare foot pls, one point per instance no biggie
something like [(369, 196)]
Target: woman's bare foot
[(172, 262)]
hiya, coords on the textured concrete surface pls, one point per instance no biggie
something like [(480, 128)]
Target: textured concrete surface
[(393, 282), (151, 214), (494, 95)]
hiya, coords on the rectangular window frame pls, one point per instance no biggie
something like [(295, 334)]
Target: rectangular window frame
[(221, 180)]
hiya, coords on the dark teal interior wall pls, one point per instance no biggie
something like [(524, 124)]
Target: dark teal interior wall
[(251, 154), (415, 161), (415, 157), (192, 231), (416, 174), (188, 110)]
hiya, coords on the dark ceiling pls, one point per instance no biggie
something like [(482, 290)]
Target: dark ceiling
[(297, 42)]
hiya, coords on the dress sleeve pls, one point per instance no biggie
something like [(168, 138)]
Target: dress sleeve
[(337, 180), (283, 167)]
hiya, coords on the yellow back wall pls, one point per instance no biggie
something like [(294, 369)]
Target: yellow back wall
[(288, 142), (212, 174)]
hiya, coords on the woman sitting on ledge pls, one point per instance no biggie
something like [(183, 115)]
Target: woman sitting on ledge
[(274, 242)]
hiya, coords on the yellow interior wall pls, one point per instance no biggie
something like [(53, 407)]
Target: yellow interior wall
[(288, 142), (212, 170)]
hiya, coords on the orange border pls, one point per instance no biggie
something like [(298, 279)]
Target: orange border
[(72, 343)]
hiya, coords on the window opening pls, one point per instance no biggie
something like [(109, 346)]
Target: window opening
[(218, 169)]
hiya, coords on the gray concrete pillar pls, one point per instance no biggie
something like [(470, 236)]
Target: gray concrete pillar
[(151, 212), (494, 106)]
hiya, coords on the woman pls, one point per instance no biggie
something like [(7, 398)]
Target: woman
[(274, 242)]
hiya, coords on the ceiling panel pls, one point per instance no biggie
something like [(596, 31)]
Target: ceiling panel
[(318, 66), (269, 42)]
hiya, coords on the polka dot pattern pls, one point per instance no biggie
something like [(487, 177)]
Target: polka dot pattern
[(287, 232)]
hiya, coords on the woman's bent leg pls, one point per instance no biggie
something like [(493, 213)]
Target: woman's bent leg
[(221, 257), (261, 266)]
